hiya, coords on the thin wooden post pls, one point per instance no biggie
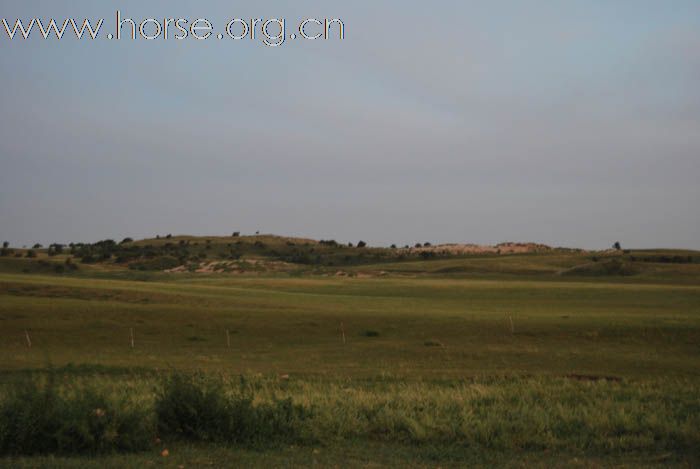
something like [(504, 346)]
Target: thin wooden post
[(131, 335), (512, 326), (342, 332), (228, 339), (29, 340)]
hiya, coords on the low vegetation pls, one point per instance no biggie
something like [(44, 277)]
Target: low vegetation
[(43, 416), (203, 408), (40, 416)]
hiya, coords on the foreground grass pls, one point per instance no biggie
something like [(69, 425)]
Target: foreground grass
[(453, 421), (351, 455)]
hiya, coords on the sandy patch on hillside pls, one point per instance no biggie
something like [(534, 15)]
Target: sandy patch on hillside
[(236, 267)]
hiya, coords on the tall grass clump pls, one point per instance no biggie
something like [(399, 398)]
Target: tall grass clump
[(203, 408), (39, 417)]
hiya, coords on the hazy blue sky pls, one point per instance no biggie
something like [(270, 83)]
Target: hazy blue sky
[(565, 122)]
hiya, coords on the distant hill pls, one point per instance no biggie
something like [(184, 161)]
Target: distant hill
[(271, 254)]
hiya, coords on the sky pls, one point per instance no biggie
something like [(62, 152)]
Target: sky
[(571, 123)]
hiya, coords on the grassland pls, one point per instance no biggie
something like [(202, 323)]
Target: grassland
[(551, 358)]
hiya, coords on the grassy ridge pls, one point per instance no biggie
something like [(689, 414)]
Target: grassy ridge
[(560, 328)]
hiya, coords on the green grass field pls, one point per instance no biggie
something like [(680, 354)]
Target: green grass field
[(534, 359)]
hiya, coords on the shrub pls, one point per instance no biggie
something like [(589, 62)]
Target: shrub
[(5, 251), (70, 265), (197, 407), (35, 418), (31, 253), (370, 333), (157, 263), (55, 249), (88, 259), (361, 244), (192, 407)]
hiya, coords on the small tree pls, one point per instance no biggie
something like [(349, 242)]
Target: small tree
[(236, 234), (5, 244), (617, 246), (37, 246), (361, 244)]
